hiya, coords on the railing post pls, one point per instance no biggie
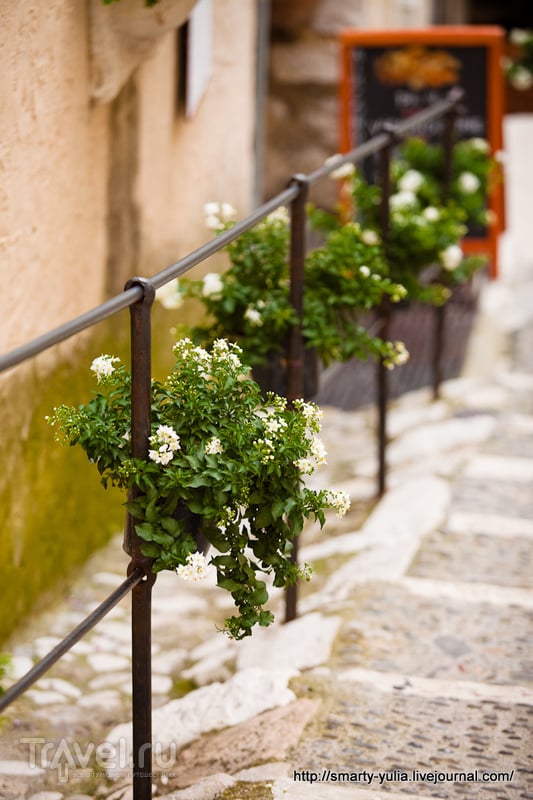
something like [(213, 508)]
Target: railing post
[(448, 141), (295, 359), (384, 178), (141, 600)]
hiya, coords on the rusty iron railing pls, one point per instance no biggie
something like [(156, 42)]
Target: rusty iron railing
[(138, 296)]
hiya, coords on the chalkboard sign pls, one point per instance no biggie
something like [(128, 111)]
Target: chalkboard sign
[(390, 75)]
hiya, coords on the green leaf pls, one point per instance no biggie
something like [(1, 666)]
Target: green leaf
[(264, 517), (150, 549), (197, 481), (260, 595), (135, 509), (278, 508), (145, 531), (229, 584)]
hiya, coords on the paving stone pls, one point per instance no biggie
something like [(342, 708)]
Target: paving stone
[(287, 789), (263, 772), (47, 796), (300, 644), (398, 734), (107, 699), (426, 600), (440, 437), (122, 680), (436, 687), (19, 768), (206, 789), (495, 467), (267, 737), (161, 684), (392, 535), (43, 698), (402, 632), (219, 705), (471, 522), (504, 561), (57, 685), (505, 498), (105, 662)]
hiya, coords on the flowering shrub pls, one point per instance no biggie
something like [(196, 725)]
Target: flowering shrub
[(473, 171), (425, 226), (519, 70), (249, 303), (235, 463)]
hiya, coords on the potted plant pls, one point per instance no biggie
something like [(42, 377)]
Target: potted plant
[(220, 456), (249, 302)]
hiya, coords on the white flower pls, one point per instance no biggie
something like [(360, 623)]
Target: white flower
[(344, 171), (479, 144), (521, 79), (213, 222), (490, 217), (279, 215), (227, 353), (305, 466), (311, 413), (103, 367), (431, 213), (397, 354), (274, 426), (165, 434), (411, 181), (519, 36), (399, 293), (217, 214), (318, 451), (402, 200), (227, 212), (451, 257), (194, 569), (161, 456), (169, 295), (214, 446), (212, 284), (306, 572), (365, 272), (339, 500), (401, 355), (369, 237), (253, 316), (468, 182), (167, 442), (211, 209)]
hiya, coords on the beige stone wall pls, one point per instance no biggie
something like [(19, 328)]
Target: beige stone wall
[(92, 193), (185, 163), (303, 105), (53, 169)]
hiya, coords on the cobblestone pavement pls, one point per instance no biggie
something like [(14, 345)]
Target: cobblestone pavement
[(409, 670), (408, 673)]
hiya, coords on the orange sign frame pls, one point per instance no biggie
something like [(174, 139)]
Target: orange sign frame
[(491, 39)]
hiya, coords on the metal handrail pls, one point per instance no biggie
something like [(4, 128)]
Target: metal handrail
[(138, 296)]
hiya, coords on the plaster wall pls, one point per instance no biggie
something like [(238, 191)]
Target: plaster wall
[(303, 105), (53, 166), (91, 193), (187, 162)]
